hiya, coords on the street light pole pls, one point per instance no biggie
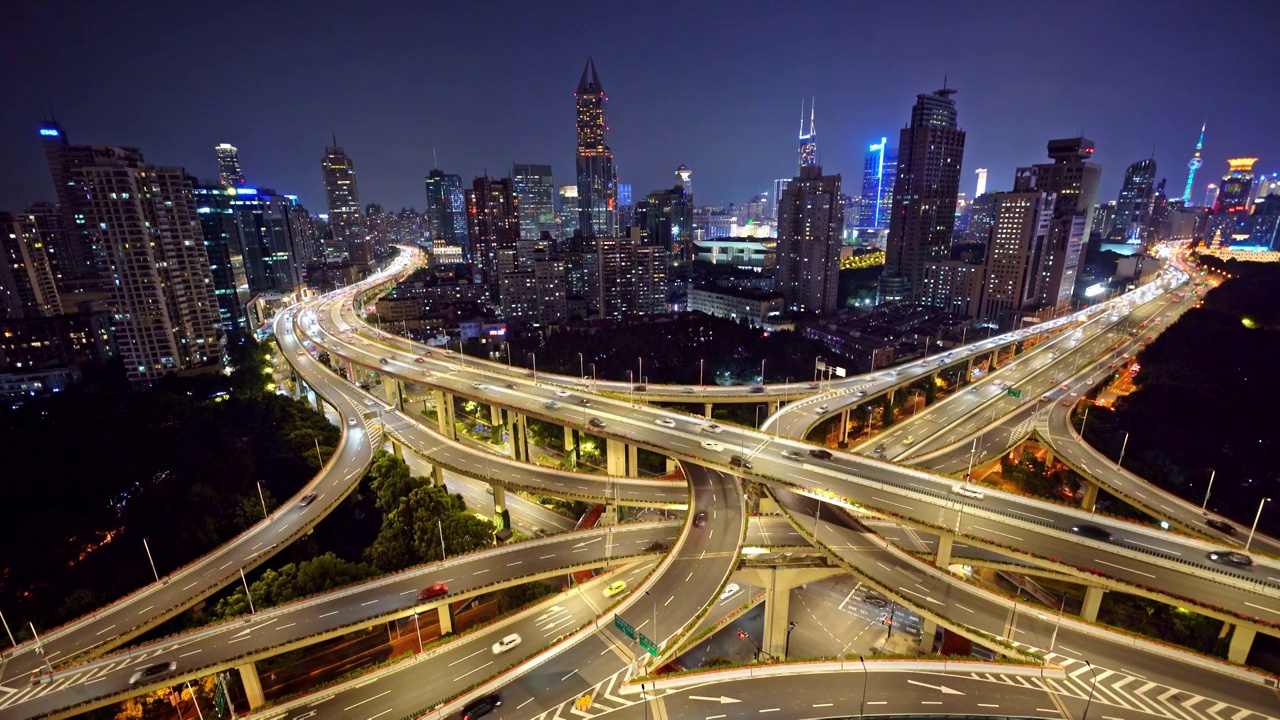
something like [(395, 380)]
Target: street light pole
[(319, 457), (246, 592), (1255, 523), (40, 647), (263, 500), (972, 451), (701, 364), (862, 712), (418, 628), (1054, 639), (786, 650), (535, 366), (1207, 490), (440, 527), (194, 701), (1123, 445), (150, 560), (656, 639), (1093, 684), (582, 369), (8, 631), (762, 372), (631, 380)]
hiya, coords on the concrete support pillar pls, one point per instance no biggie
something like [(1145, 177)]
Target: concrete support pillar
[(499, 506), (777, 610), (1226, 628), (391, 389), (671, 466), (995, 359), (252, 685), (968, 371), (844, 424), (769, 506), (1090, 496), (1049, 458), (943, 558), (928, 629), (706, 410), (437, 475), (521, 437), (396, 448), (1092, 599), (446, 619), (615, 457), (633, 461), (774, 405), (495, 415), (891, 394), (444, 413), (1241, 643), (570, 439)]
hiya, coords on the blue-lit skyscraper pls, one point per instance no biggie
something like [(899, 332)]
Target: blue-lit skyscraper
[(447, 210), (878, 175)]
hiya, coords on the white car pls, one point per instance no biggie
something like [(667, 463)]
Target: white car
[(351, 422), (665, 422), (506, 644), (821, 409), (968, 491), (713, 445), (562, 393), (729, 591), (712, 428)]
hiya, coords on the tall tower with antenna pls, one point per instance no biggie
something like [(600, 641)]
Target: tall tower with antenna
[(1192, 166), (809, 140)]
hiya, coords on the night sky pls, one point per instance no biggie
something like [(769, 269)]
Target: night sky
[(717, 86)]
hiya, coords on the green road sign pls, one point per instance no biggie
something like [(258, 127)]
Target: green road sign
[(1014, 392), (625, 627), (647, 644)]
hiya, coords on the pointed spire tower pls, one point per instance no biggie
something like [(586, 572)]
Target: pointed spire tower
[(809, 140), (1192, 166), (597, 179)]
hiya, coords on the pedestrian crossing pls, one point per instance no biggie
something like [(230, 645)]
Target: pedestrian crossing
[(16, 691), (605, 698), (1125, 691)]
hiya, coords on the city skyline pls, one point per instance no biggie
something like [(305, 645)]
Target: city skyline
[(737, 147)]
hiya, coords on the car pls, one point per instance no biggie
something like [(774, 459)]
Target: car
[(924, 363), (665, 422), (729, 591), (712, 445), (351, 421), (811, 386), (640, 388), (656, 546), (307, 499), (700, 520), (1065, 386), (551, 404), (792, 455), (584, 402), (757, 389), (1221, 526), (596, 422), (419, 360), (1046, 398), (1093, 532), (821, 408), (1066, 402), (909, 439), (41, 677), (1111, 365), (614, 588), (859, 394), (562, 393), (687, 391), (1231, 557), (506, 643), (512, 386), (712, 428), (878, 451), (383, 361), (973, 388), (477, 385), (820, 453), (153, 671), (1151, 336), (301, 351), (968, 491), (740, 462), (481, 706), (434, 590)]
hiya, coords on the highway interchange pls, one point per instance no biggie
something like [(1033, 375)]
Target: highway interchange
[(702, 560)]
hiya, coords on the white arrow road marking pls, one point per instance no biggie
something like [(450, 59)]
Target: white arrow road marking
[(940, 688), (723, 700)]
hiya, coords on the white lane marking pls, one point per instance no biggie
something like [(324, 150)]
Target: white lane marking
[(471, 671), (1153, 547), (189, 586), (1121, 567), (1263, 608), (282, 627), (455, 662), (193, 652), (335, 612), (369, 603), (997, 532), (139, 612), (105, 629), (375, 697)]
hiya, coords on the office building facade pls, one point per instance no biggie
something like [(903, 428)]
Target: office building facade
[(1019, 233), (346, 220), (1131, 219), (493, 226), (597, 179), (535, 191), (879, 173), (27, 287), (229, 172), (810, 222), (930, 151), (447, 209)]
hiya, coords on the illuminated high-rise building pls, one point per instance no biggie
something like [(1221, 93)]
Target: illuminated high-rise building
[(808, 140), (982, 182), (346, 218), (879, 172), (1237, 186), (684, 178), (1210, 195), (84, 263), (810, 224), (493, 226), (535, 191), (1131, 221), (1264, 185), (597, 179), (229, 172), (447, 210), (1192, 166), (27, 289), (930, 150)]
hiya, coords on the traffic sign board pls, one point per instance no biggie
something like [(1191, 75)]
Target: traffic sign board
[(624, 626), (1014, 392), (647, 644)]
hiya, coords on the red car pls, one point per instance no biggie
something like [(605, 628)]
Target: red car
[(433, 591)]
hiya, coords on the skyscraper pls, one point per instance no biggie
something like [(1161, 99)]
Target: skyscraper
[(1210, 195), (1073, 180), (808, 140), (930, 150), (879, 172), (535, 191), (982, 182), (493, 226), (597, 179), (1237, 186), (83, 265), (345, 216), (810, 221), (229, 172), (1020, 227), (224, 245), (27, 289), (1131, 221), (665, 218), (684, 178), (1192, 166), (447, 210)]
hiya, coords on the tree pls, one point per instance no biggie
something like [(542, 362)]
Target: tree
[(391, 481), (410, 532)]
